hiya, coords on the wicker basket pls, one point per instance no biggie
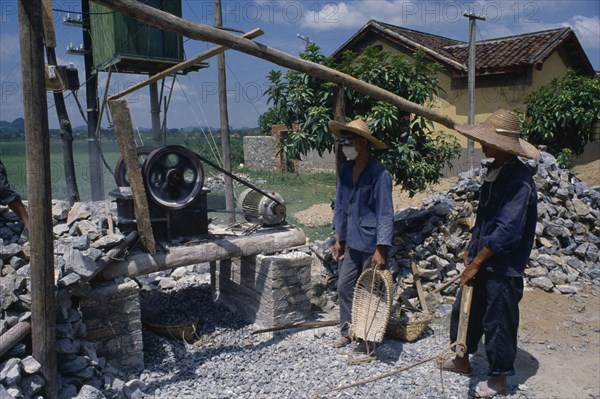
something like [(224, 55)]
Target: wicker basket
[(371, 305), (408, 326)]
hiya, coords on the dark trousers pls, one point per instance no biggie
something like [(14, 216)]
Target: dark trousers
[(495, 314), (354, 263)]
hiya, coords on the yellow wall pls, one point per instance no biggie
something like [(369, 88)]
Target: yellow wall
[(454, 103)]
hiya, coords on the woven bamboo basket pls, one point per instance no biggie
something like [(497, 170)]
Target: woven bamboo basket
[(371, 305), (407, 326)]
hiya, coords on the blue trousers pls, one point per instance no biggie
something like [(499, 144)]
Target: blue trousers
[(495, 314), (354, 263)]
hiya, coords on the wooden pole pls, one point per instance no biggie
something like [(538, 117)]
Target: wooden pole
[(224, 118), (262, 242), (419, 285), (66, 130), (124, 128), (37, 149), (155, 115), (91, 98), (463, 320), (171, 23)]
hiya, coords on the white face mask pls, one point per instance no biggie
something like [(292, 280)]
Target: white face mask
[(350, 152)]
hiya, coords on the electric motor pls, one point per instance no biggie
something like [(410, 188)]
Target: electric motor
[(261, 209)]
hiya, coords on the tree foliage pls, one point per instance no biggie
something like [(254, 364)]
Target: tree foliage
[(415, 156), (560, 115)]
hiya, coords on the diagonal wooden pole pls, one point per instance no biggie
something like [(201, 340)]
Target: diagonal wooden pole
[(171, 23), (124, 127)]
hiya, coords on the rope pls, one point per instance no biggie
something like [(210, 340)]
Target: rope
[(439, 358)]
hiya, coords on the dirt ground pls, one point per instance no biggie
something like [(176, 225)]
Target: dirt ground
[(559, 344)]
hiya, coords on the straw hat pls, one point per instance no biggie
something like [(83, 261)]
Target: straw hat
[(358, 127), (501, 130)]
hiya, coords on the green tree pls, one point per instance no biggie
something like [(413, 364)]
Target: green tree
[(560, 114), (416, 155)]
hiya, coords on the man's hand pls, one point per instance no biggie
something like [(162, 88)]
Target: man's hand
[(469, 273), (338, 250), (378, 258), (472, 268)]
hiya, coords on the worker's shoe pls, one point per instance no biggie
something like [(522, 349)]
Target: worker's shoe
[(342, 341), (457, 365)]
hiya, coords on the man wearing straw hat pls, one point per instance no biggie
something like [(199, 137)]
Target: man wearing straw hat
[(498, 251), (364, 214)]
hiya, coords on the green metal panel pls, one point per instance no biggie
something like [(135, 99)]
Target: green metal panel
[(115, 36)]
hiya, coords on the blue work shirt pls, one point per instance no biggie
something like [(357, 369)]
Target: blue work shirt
[(506, 219), (364, 213)]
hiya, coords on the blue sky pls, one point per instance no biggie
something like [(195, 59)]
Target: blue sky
[(327, 23)]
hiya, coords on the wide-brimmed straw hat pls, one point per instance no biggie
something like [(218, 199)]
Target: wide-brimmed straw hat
[(358, 127), (501, 130)]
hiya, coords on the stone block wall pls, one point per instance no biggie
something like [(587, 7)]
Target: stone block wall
[(260, 153), (267, 290), (112, 316)]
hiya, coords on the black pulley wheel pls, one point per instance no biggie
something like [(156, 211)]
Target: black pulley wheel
[(173, 176), (142, 153)]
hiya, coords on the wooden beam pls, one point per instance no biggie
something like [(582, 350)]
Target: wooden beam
[(14, 335), (124, 128), (182, 65), (48, 23), (171, 23), (39, 195), (262, 242), (419, 285)]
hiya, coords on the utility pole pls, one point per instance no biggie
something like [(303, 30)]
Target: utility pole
[(91, 89), (471, 81), (225, 139)]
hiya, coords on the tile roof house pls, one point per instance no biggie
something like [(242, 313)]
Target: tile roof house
[(507, 68)]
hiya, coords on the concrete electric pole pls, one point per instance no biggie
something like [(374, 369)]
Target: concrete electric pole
[(471, 81)]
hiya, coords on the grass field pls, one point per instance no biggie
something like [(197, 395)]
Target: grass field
[(299, 191)]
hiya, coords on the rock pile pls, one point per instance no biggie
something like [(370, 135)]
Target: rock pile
[(565, 259), (565, 256), (82, 235)]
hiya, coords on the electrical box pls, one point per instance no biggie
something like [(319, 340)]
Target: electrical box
[(130, 46)]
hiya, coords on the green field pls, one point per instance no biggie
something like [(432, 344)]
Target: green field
[(299, 191), (13, 157)]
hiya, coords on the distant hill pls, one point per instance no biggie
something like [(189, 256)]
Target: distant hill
[(10, 128)]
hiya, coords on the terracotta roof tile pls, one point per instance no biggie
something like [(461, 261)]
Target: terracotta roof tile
[(526, 49), (492, 56)]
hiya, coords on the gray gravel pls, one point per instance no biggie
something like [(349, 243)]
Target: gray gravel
[(228, 362)]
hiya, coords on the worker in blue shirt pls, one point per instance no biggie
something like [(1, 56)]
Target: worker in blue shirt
[(499, 249), (364, 214)]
